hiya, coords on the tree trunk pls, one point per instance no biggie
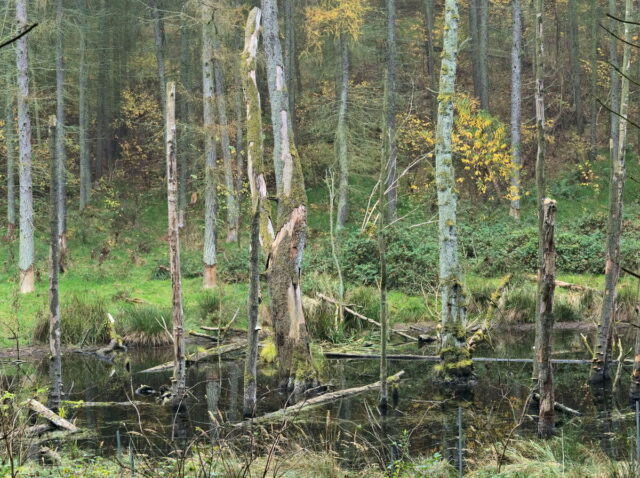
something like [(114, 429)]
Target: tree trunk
[(10, 145), (383, 399), (55, 394), (574, 57), (600, 372), (233, 210), (83, 119), (179, 366), (456, 367), (474, 32), (483, 45), (27, 272), (593, 126), (516, 101), (60, 154), (544, 319), (429, 8), (541, 141), (185, 118), (103, 128), (158, 28), (284, 264), (391, 149), (210, 153), (290, 63), (342, 135), (634, 389), (255, 153)]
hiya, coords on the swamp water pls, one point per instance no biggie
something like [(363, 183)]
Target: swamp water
[(426, 419)]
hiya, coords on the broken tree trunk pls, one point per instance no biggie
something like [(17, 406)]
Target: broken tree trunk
[(362, 317), (544, 320), (198, 357), (567, 285), (290, 413), (50, 416)]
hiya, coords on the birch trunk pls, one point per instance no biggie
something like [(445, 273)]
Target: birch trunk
[(55, 394), (254, 164), (27, 273), (391, 149), (210, 153), (83, 119), (600, 372), (574, 59), (284, 264), (233, 209), (9, 134), (60, 154), (342, 135), (516, 101), (179, 366), (545, 319), (456, 367)]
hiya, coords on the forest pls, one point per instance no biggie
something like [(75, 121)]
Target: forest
[(320, 238)]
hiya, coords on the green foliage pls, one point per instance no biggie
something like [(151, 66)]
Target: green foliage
[(146, 325), (83, 321), (208, 305)]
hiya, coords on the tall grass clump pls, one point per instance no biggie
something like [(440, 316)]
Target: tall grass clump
[(83, 322), (146, 325)]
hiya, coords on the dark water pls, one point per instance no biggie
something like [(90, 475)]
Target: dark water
[(425, 420)]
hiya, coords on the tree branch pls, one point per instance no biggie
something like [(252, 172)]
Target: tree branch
[(16, 38), (617, 114)]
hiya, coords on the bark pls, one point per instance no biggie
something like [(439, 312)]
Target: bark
[(103, 127), (255, 154), (60, 153), (391, 149), (544, 320), (159, 37), (593, 123), (516, 102), (179, 366), (429, 9), (474, 32), (50, 416), (233, 209), (634, 389), (541, 142), (284, 264), (601, 372), (185, 117), (483, 46), (574, 59), (9, 134), (456, 367), (290, 63), (210, 153), (55, 347), (342, 135), (383, 399), (26, 254), (83, 120)]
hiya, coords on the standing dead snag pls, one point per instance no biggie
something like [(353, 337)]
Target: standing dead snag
[(456, 367), (179, 362), (600, 372), (284, 264), (255, 175), (544, 319)]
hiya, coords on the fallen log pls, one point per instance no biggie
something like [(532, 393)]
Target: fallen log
[(218, 329), (436, 358), (567, 285), (196, 357), (559, 406), (203, 336), (50, 416), (362, 317), (293, 411), (72, 404)]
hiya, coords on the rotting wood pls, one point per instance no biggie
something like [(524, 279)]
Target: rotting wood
[(560, 407), (362, 317), (568, 285), (201, 356), (224, 329), (203, 336), (57, 420), (72, 404), (293, 411)]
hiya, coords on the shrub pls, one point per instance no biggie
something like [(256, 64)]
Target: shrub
[(146, 325), (83, 322)]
